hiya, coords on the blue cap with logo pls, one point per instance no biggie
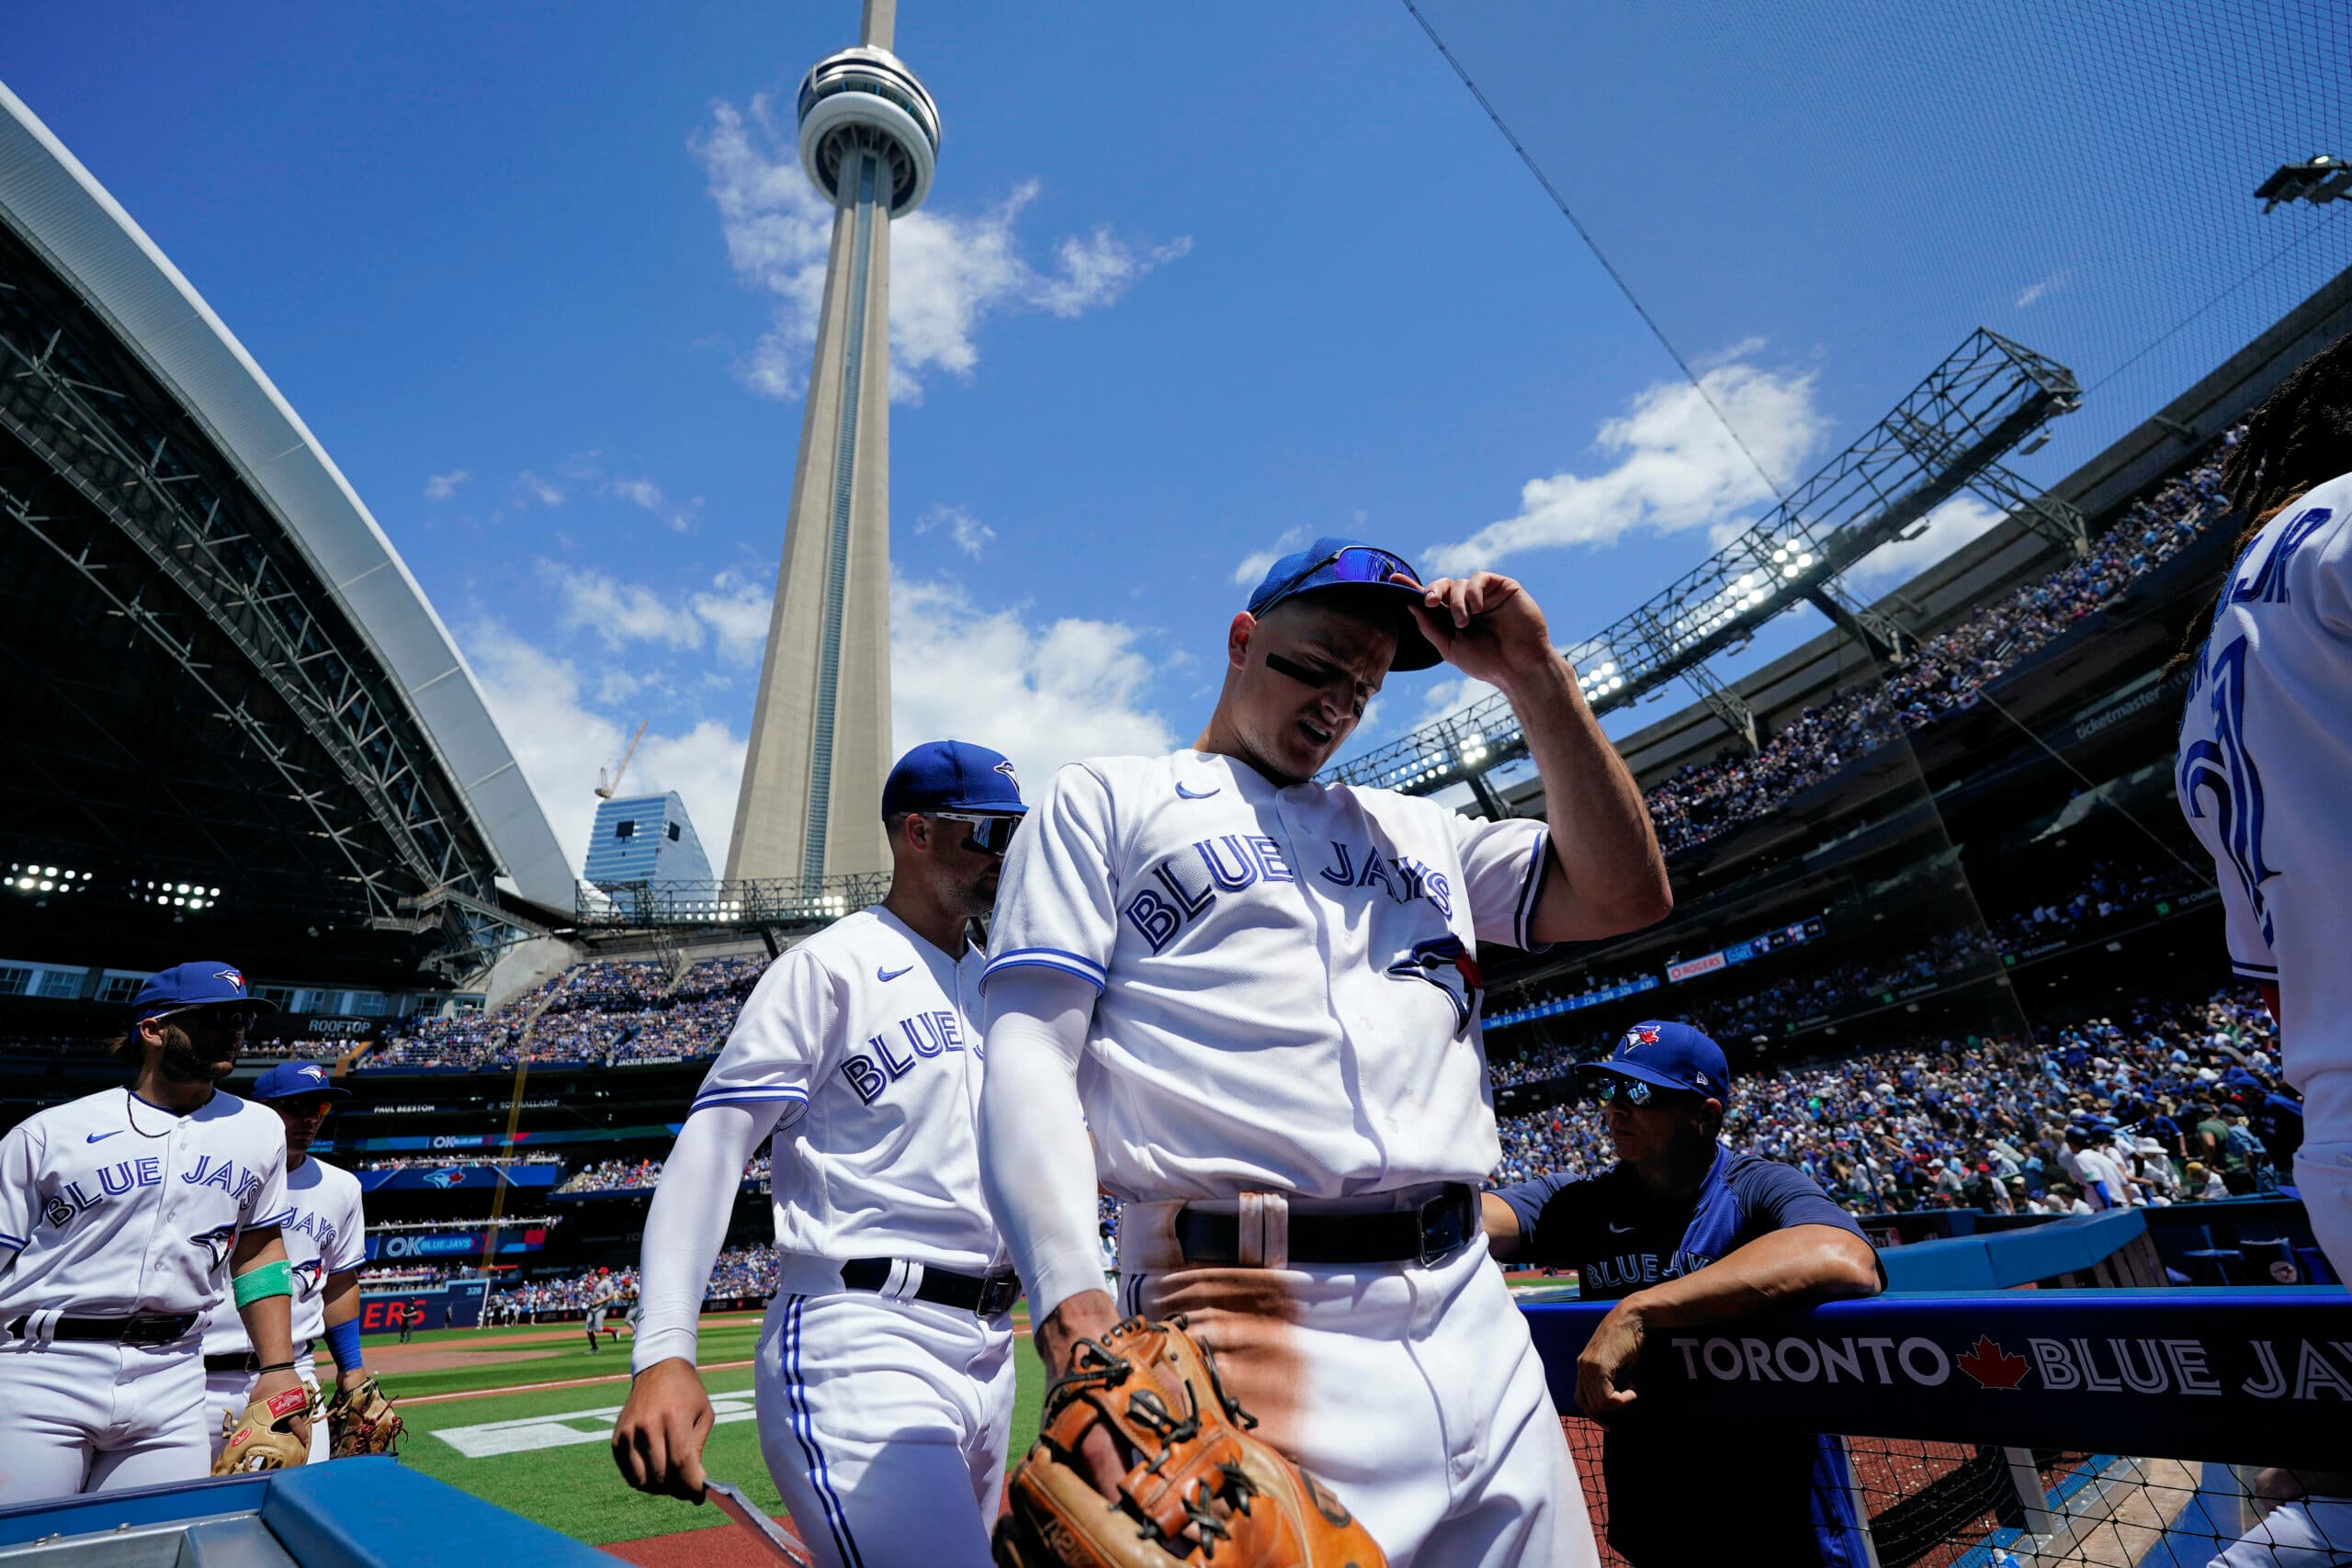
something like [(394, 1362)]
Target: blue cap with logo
[(952, 775), (1669, 1055), (202, 982), (1333, 562), (296, 1080)]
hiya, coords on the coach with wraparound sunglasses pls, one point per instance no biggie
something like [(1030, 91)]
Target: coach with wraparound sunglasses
[(1681, 1232)]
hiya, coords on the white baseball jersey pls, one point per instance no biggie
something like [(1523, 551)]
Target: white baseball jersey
[(114, 1206), (2263, 772), (1289, 982), (325, 1233), (862, 1037)]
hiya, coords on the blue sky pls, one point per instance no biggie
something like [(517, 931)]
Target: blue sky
[(1194, 280)]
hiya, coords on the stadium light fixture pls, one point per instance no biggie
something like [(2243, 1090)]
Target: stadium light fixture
[(2319, 179)]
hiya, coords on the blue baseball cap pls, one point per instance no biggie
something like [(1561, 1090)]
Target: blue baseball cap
[(952, 775), (199, 983), (296, 1080), (1669, 1055), (1333, 562)]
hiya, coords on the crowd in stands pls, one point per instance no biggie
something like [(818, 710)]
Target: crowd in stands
[(1941, 676), (740, 1273), (322, 1051), (481, 1157), (603, 1013), (2166, 1105), (636, 1175), (408, 1277), (1823, 988)]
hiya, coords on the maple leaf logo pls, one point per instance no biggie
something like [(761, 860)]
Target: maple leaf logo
[(1991, 1366)]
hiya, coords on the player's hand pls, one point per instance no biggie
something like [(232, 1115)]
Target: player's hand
[(657, 1441), (1485, 625), (1605, 1370), (1090, 1315), (269, 1385)]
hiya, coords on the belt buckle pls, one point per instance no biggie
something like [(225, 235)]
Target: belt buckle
[(997, 1292), (1449, 1210)]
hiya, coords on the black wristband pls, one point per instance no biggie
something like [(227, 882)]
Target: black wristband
[(275, 1366)]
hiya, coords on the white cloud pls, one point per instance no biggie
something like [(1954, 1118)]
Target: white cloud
[(1947, 528), (1675, 468), (647, 496), (536, 698), (1042, 695), (947, 272), (1253, 568), (971, 535), (441, 487), (2044, 286), (732, 614), (530, 488)]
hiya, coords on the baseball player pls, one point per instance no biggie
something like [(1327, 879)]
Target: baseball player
[(1261, 994), (1678, 1232), (124, 1216), (2265, 758), (885, 1378), (325, 1234), (599, 1300)]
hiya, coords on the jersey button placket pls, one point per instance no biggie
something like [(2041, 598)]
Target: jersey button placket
[(1323, 912)]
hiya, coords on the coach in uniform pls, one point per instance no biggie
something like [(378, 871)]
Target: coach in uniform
[(124, 1217), (1261, 994), (885, 1376), (1679, 1233), (326, 1241)]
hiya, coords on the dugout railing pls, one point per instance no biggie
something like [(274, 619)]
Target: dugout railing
[(2135, 1428)]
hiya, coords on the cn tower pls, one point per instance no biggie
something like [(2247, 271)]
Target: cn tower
[(810, 804)]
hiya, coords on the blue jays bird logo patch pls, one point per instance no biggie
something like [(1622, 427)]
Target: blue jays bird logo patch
[(1444, 963), (306, 1275), (217, 1243)]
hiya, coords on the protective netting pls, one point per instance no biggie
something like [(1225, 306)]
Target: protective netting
[(1969, 1505), (1860, 182)]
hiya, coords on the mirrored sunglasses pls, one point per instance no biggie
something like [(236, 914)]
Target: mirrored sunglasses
[(1356, 563), (1634, 1091), (990, 835)]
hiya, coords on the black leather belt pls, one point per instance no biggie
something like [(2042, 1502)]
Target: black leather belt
[(1423, 1234), (231, 1362), (991, 1295), (147, 1328)]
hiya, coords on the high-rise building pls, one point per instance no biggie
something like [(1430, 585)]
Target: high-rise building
[(646, 840), (821, 729)]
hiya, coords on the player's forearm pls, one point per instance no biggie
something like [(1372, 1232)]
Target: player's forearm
[(686, 1224), (1608, 874), (1786, 1268), (1037, 1166), (263, 1295)]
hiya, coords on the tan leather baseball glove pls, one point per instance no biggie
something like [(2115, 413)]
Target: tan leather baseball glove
[(265, 1437), (1199, 1488), (362, 1421)]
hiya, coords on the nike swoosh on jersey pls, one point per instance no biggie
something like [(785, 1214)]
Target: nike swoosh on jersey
[(1618, 1230), (892, 974), (1183, 794), (95, 1136)]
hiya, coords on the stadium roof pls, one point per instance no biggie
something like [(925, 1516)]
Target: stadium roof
[(180, 498)]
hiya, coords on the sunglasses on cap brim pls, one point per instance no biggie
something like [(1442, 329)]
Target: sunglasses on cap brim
[(1355, 564), (216, 1015), (989, 835), (1637, 1091)]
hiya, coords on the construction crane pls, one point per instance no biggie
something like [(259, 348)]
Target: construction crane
[(605, 788)]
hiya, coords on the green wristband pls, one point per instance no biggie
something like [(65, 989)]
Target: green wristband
[(269, 1279)]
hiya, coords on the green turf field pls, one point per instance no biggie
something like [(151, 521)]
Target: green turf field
[(558, 1467)]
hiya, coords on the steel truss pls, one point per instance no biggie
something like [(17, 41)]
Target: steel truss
[(118, 462), (1943, 438), (780, 901)]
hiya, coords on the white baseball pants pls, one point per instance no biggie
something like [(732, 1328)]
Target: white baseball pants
[(78, 1417), (878, 1417), (1414, 1393)]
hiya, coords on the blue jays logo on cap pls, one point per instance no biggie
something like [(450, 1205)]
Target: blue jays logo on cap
[(199, 983), (952, 775), (297, 1080), (1669, 1055)]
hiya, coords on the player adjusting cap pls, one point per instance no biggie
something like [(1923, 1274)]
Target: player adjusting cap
[(297, 1080), (1669, 1055), (201, 982), (952, 775), (1333, 562)]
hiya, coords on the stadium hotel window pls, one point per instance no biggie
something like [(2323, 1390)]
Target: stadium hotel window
[(61, 983), (120, 988), (15, 981), (283, 996), (373, 1004), (625, 829)]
